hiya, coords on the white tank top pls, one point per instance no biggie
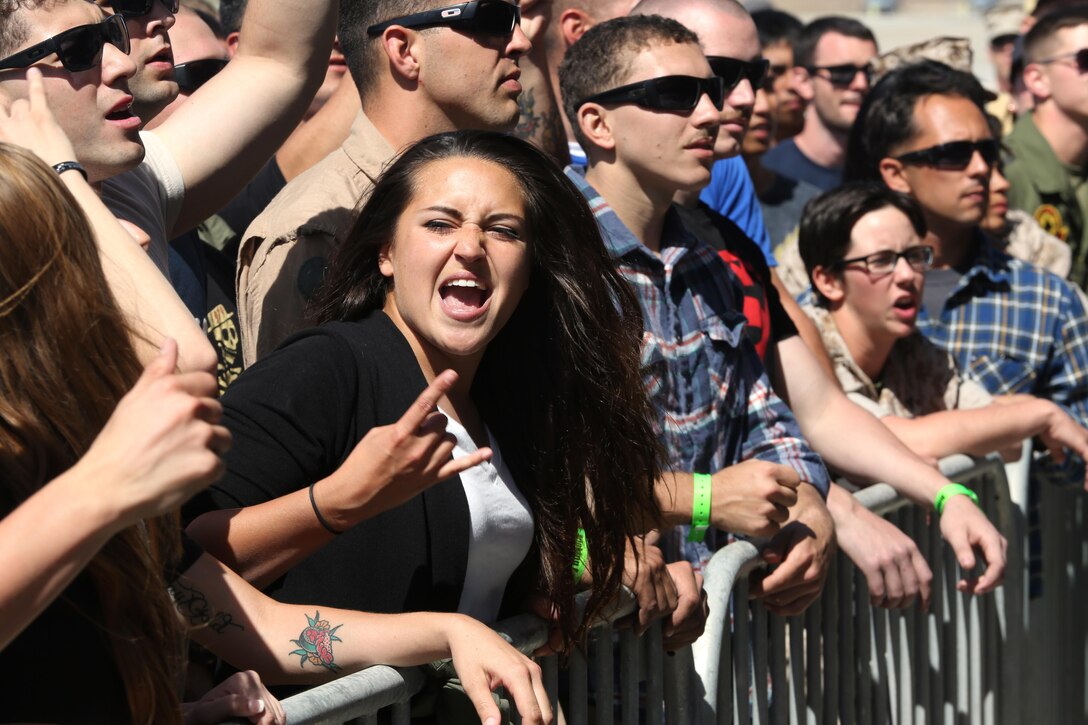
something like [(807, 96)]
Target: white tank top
[(502, 527)]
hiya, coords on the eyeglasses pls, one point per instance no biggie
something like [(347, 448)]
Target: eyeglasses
[(1080, 59), (841, 76), (668, 93), (485, 17), (954, 156), (733, 70), (195, 73), (136, 8), (78, 49), (878, 264)]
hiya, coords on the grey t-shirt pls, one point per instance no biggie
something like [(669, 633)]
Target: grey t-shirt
[(939, 285)]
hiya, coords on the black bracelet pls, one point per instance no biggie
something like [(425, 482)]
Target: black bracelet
[(321, 519), (70, 166)]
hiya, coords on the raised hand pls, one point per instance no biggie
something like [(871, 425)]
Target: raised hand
[(30, 124), (393, 463), (162, 444)]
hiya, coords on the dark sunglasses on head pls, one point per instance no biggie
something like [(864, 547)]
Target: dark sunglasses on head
[(486, 17), (733, 70), (1080, 58), (668, 93), (78, 49), (136, 8), (195, 73), (842, 76), (877, 264), (954, 156)]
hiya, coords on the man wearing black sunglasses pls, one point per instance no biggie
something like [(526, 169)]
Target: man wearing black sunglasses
[(148, 21), (421, 67), (648, 122), (1048, 168), (1012, 326), (833, 75)]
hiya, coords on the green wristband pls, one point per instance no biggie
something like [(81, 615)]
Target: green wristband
[(952, 489), (581, 555), (700, 508)]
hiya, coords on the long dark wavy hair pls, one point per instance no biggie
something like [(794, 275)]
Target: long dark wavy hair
[(66, 359), (560, 385)]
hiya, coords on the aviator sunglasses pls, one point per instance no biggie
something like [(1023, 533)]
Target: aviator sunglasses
[(734, 70), (136, 8), (878, 264), (954, 156), (79, 48), (668, 93), (192, 75), (485, 17), (841, 76)]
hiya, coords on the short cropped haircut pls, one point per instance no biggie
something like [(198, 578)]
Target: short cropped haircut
[(600, 60), (1037, 40), (360, 50), (829, 220), (886, 120), (231, 13), (804, 51), (14, 30), (776, 26)]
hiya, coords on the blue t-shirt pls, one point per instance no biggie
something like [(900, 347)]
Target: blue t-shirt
[(731, 194), (787, 159)]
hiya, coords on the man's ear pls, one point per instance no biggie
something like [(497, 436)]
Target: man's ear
[(594, 122), (232, 43), (401, 47), (802, 83), (894, 175), (828, 284), (1037, 81), (573, 24)]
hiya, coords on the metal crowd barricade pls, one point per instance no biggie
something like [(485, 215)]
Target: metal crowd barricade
[(999, 659)]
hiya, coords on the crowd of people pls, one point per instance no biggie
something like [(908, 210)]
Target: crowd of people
[(337, 330)]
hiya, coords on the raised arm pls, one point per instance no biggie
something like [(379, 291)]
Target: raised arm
[(151, 307), (158, 448), (390, 465), (230, 128)]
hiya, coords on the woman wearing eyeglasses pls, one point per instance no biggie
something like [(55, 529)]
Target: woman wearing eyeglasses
[(862, 248)]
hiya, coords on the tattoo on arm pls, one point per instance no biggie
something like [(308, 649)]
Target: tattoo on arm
[(315, 643), (194, 606), (544, 129)]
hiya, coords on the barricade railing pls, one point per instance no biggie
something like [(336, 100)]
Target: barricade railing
[(968, 660)]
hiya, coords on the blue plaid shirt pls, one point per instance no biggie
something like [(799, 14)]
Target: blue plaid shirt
[(1016, 329), (714, 402)]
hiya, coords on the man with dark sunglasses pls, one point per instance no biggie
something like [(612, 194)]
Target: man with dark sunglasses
[(201, 156), (1013, 327), (782, 334), (832, 73), (727, 436), (153, 85), (421, 67), (198, 56), (1048, 164)]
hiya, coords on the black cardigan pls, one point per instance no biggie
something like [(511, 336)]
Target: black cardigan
[(295, 416)]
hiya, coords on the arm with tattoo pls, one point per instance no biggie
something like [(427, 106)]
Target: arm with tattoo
[(541, 120), (288, 643)]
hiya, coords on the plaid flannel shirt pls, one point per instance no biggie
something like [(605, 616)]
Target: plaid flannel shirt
[(714, 402), (1016, 329)]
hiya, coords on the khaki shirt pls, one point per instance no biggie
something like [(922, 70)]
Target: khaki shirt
[(918, 379), (1053, 193), (284, 254)]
